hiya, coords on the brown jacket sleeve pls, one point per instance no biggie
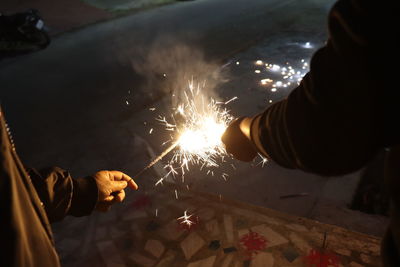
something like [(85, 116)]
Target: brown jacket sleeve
[(63, 195), (331, 123)]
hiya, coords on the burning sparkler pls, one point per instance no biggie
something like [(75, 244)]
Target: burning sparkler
[(199, 123), (197, 126)]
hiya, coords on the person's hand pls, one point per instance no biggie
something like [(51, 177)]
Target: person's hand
[(237, 140), (111, 185)]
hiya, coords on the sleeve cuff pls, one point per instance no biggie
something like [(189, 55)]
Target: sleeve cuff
[(84, 196)]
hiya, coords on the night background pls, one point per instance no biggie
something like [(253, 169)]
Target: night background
[(92, 99)]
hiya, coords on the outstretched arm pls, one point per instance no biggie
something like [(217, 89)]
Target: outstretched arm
[(331, 123), (63, 195)]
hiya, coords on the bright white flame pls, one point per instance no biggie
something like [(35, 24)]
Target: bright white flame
[(307, 45), (203, 139), (199, 123)]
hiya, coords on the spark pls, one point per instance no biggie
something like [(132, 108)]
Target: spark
[(197, 125), (273, 67), (307, 45), (230, 100), (156, 212), (263, 161), (185, 219), (152, 109), (160, 181), (259, 62), (151, 131), (288, 76), (237, 62), (257, 71), (176, 194), (266, 81)]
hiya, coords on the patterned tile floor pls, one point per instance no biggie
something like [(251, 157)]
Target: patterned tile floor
[(145, 231)]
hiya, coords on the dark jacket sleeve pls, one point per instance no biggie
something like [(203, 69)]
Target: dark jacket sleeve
[(330, 124), (63, 195)]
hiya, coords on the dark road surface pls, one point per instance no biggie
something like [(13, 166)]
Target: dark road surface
[(83, 78)]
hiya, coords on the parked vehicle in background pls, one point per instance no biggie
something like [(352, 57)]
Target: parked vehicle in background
[(22, 32)]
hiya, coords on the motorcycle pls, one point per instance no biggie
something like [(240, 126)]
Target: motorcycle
[(22, 33)]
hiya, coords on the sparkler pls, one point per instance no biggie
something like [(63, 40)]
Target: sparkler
[(197, 126), (199, 123), (157, 159)]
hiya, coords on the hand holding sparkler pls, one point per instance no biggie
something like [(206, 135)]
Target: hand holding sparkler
[(237, 139)]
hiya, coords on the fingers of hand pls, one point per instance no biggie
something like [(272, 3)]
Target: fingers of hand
[(118, 185), (108, 198), (231, 133), (120, 176), (132, 184), (120, 196), (117, 196)]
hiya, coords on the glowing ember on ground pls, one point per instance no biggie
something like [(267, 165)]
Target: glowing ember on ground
[(307, 45), (266, 81), (289, 75), (285, 76), (198, 124), (185, 219)]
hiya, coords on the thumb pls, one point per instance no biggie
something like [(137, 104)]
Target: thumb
[(118, 185)]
